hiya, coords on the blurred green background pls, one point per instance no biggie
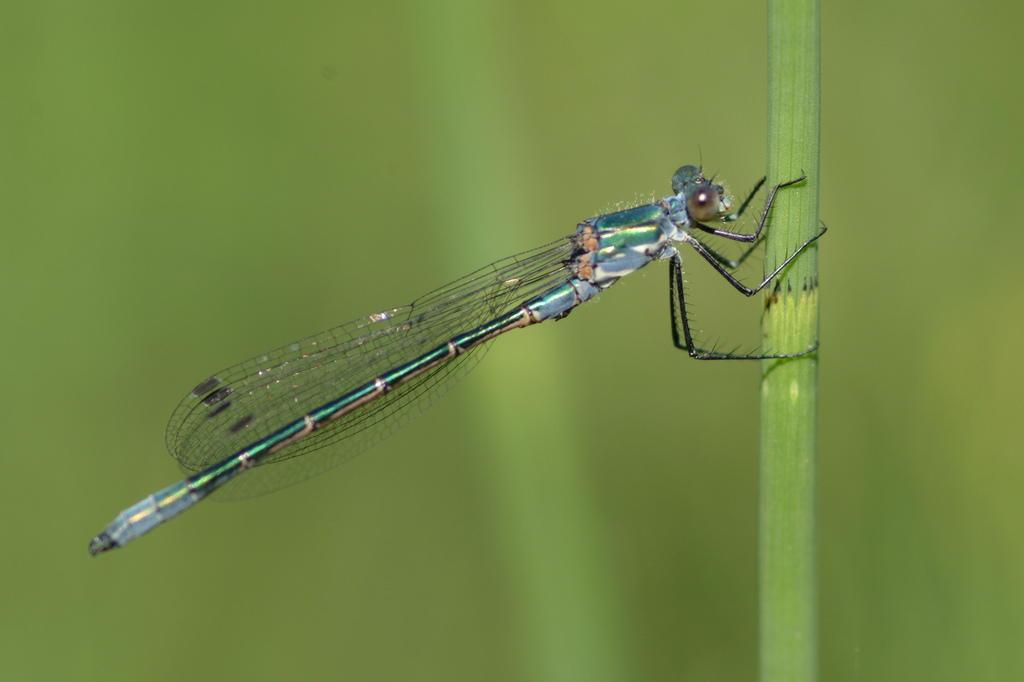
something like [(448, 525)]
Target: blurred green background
[(187, 185)]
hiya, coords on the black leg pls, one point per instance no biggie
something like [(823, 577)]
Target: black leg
[(677, 305), (734, 264), (747, 291), (680, 318)]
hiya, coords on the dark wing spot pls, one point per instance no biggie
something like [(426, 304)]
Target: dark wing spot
[(205, 387), (217, 396), (241, 423), (217, 410)]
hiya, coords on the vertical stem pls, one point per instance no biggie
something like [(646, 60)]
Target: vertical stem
[(789, 388)]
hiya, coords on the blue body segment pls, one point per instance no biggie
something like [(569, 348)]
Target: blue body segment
[(558, 302), (301, 409)]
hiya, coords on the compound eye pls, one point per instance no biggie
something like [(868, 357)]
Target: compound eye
[(704, 203)]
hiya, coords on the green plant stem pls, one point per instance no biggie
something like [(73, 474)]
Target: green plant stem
[(789, 388)]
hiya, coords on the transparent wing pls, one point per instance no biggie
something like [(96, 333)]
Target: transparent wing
[(255, 398)]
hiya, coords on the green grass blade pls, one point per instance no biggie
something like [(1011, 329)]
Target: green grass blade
[(789, 388)]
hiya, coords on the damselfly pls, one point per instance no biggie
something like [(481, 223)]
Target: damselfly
[(274, 416)]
